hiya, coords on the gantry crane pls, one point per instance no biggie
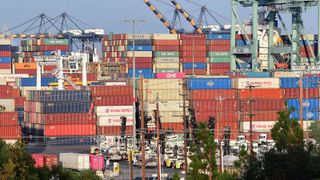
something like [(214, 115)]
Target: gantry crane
[(274, 8)]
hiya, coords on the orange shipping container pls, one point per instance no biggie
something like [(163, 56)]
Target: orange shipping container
[(70, 130), (166, 42), (261, 94), (192, 48), (26, 65), (213, 94)]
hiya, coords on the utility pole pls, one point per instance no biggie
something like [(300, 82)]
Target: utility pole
[(301, 100), (133, 22), (142, 132), (251, 116), (130, 164), (158, 138), (185, 129)]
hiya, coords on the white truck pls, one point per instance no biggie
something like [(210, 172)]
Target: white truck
[(75, 161)]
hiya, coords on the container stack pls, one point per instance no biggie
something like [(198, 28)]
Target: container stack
[(291, 94), (45, 160), (5, 56), (215, 97), (10, 130), (61, 117), (305, 51), (169, 99), (166, 53), (218, 47), (193, 54), (263, 101), (111, 103)]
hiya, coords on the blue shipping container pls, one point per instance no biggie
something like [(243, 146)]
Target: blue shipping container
[(312, 115), (5, 47), (218, 36), (140, 48), (209, 83), (293, 82), (5, 59), (194, 65), (59, 95), (64, 107), (147, 73), (313, 104), (45, 81), (257, 74)]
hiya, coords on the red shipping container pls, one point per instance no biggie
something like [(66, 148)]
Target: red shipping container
[(147, 65), (5, 65), (195, 59), (71, 118), (19, 101), (218, 71), (39, 160), (195, 42), (54, 47), (5, 91), (218, 42), (97, 162), (26, 71), (225, 116), (114, 130), (215, 105), (10, 132), (261, 94), (201, 54), (192, 36), (111, 90), (70, 130), (294, 93), (15, 93), (205, 95), (234, 128), (176, 127), (219, 66), (5, 53), (139, 59), (166, 48), (196, 71), (50, 160), (218, 48), (112, 100), (263, 105), (8, 118), (192, 48), (260, 116), (166, 42)]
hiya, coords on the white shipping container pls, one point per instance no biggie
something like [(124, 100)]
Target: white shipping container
[(5, 71), (114, 110), (164, 95), (164, 106), (3, 81), (115, 83), (286, 74), (5, 41), (166, 65), (139, 36), (263, 50), (168, 117), (165, 36), (257, 126), (166, 60), (75, 161), (140, 53), (8, 104), (161, 84), (114, 120), (258, 83)]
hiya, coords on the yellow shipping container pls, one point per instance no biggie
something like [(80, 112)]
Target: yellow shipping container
[(164, 95), (140, 53), (165, 106), (166, 65), (168, 117), (165, 36), (26, 65), (158, 84)]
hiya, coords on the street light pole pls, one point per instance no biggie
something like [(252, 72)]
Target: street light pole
[(133, 22)]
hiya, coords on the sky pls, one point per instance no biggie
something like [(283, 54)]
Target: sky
[(109, 14)]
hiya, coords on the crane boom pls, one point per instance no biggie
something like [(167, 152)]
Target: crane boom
[(187, 16), (161, 17)]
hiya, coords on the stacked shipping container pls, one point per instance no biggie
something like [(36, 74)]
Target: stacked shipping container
[(5, 56)]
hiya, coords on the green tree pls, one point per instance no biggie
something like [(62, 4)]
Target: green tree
[(176, 176), (315, 131), (203, 161)]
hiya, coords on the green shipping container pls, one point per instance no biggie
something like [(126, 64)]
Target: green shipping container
[(166, 54), (218, 59), (218, 54), (167, 70), (55, 41)]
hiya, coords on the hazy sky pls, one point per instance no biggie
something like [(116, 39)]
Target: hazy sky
[(109, 14)]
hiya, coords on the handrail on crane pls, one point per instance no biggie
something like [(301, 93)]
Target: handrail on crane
[(187, 16), (161, 17)]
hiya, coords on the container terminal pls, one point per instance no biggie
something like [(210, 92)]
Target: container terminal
[(110, 92)]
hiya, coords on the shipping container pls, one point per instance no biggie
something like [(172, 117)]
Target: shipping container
[(66, 118), (260, 116), (257, 83), (59, 96), (8, 104), (70, 130), (146, 73), (168, 117), (111, 90), (257, 126), (310, 115), (310, 104), (263, 105), (195, 71), (169, 75), (164, 106), (294, 93), (112, 100), (75, 161), (113, 120), (194, 65), (165, 36), (159, 84), (166, 60), (208, 83), (163, 95), (97, 162), (291, 82), (10, 132), (206, 95), (227, 116), (58, 107), (114, 130), (216, 105), (218, 71), (8, 118), (260, 94), (114, 110)]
